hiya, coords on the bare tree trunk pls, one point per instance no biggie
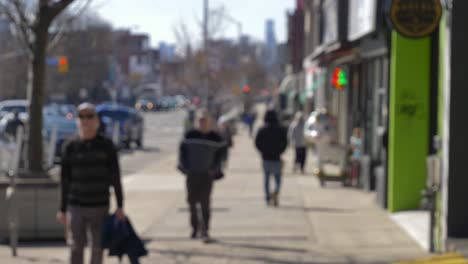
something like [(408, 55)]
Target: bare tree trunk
[(35, 147)]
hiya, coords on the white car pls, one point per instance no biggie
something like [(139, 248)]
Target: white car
[(9, 106)]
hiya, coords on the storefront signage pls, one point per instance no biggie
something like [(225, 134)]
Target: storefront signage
[(415, 18), (361, 18), (330, 21)]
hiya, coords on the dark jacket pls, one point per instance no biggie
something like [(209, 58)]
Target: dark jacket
[(89, 168), (12, 126), (201, 154), (272, 139), (120, 238)]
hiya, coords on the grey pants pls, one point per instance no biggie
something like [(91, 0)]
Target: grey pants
[(80, 221)]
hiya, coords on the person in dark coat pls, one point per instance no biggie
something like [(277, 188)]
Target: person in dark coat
[(271, 141), (13, 124), (200, 157), (90, 166)]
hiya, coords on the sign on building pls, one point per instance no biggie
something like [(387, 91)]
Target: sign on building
[(415, 18), (362, 18)]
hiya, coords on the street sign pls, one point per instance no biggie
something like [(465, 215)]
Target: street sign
[(415, 18)]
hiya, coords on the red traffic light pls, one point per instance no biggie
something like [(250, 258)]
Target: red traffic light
[(63, 60), (63, 64), (246, 89)]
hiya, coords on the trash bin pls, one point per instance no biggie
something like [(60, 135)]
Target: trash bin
[(381, 186), (365, 176)]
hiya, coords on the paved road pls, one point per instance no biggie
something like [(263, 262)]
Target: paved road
[(163, 131)]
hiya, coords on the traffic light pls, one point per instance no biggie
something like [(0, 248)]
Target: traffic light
[(63, 64), (246, 89)]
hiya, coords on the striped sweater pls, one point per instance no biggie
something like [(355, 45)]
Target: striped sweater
[(89, 168)]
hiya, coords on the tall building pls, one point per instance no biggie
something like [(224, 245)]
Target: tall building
[(271, 44), (296, 36), (133, 53), (167, 52)]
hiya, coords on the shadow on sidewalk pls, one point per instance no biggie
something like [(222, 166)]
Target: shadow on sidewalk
[(315, 209), (253, 171), (232, 238), (37, 259), (215, 210), (38, 244), (187, 254), (48, 243), (150, 150), (260, 247), (126, 151)]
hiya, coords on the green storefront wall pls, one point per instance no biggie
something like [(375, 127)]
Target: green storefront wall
[(409, 121), (438, 217)]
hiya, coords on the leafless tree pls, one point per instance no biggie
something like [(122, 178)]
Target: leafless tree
[(196, 75), (184, 38), (88, 45), (33, 22)]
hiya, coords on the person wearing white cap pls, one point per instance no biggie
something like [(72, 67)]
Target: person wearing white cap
[(89, 167)]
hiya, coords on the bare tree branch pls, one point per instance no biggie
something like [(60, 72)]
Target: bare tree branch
[(24, 24), (15, 11), (58, 7), (65, 24), (216, 22), (183, 36)]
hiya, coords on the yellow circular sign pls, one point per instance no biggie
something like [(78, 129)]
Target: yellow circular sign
[(415, 18)]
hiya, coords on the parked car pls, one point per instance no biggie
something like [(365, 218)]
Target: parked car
[(145, 105), (168, 103), (130, 123), (62, 117), (9, 106)]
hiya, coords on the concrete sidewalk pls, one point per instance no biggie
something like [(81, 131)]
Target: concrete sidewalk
[(311, 225)]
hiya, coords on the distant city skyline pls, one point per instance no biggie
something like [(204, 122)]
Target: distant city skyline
[(157, 18), (270, 43)]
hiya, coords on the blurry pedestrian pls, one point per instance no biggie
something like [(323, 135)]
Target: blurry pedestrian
[(200, 157), (356, 155), (89, 167), (227, 134), (189, 119), (272, 141), (249, 119), (296, 135), (12, 125)]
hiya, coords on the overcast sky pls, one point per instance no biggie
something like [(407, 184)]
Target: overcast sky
[(158, 17)]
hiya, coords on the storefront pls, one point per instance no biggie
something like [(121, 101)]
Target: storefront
[(354, 45), (368, 91), (335, 53)]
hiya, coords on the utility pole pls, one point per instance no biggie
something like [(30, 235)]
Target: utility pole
[(206, 89), (205, 24)]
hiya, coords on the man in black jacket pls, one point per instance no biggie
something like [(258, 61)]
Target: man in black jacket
[(200, 156), (272, 141), (12, 125), (89, 167)]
